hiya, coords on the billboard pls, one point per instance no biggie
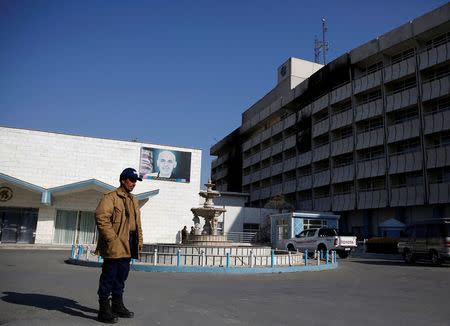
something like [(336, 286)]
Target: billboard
[(163, 164)]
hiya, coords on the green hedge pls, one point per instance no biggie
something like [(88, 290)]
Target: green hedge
[(382, 245)]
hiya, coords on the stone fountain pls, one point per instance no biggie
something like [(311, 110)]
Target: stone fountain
[(208, 236)]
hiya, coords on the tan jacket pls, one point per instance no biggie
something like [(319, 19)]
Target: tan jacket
[(113, 226)]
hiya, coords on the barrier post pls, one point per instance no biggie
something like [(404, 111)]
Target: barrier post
[(179, 257), (290, 258), (306, 257), (155, 257), (272, 255), (133, 261), (203, 258), (318, 260), (321, 254), (80, 251), (99, 258), (251, 258), (327, 257), (228, 260), (88, 251)]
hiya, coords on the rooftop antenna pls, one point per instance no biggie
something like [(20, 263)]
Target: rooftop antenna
[(321, 45)]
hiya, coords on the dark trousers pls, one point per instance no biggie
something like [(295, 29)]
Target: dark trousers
[(114, 274)]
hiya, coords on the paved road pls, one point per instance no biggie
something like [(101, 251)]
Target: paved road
[(38, 288)]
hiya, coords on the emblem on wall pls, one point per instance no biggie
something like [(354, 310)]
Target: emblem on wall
[(5, 193)]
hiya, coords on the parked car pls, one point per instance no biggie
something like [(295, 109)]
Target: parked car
[(323, 239), (429, 239)]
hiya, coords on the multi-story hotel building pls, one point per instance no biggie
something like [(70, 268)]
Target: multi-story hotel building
[(366, 136)]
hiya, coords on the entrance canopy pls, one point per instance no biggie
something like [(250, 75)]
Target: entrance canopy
[(91, 184)]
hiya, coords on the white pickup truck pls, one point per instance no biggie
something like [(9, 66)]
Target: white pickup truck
[(323, 239)]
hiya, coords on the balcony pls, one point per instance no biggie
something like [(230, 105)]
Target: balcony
[(289, 164), (433, 56), (265, 173), (305, 205), (289, 186), (340, 93), (265, 193), (371, 168), (247, 145), (320, 127), (407, 195), (289, 142), (277, 148), (342, 146), (343, 174), (256, 176), (401, 99), (255, 158), (266, 153), (400, 69), (372, 199), (439, 193), (289, 121), (438, 156), (319, 104), (435, 88), (369, 110), (370, 138), (266, 134), (254, 195), (304, 182), (402, 131), (246, 179), (322, 204), (277, 168), (247, 162), (405, 162), (276, 189), (322, 178), (304, 159), (256, 139), (341, 119), (277, 128), (367, 82), (321, 152), (344, 202), (436, 122)]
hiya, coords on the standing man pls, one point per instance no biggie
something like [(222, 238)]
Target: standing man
[(118, 221)]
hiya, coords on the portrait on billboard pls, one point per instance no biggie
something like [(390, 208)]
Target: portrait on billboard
[(163, 164)]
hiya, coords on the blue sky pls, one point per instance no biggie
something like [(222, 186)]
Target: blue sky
[(166, 72)]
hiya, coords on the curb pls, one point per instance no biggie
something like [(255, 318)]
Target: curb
[(225, 270)]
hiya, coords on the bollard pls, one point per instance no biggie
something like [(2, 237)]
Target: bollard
[(203, 258), (318, 260), (251, 258), (72, 255), (80, 251), (290, 258), (99, 258), (228, 260), (272, 256), (306, 257), (321, 254), (327, 257), (87, 253), (155, 257), (334, 254), (179, 257), (133, 261)]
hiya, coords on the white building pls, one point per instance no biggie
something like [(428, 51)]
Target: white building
[(50, 185)]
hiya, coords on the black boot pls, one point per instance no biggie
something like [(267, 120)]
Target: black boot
[(118, 308), (105, 314)]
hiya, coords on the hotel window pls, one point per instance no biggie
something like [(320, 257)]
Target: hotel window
[(282, 227)]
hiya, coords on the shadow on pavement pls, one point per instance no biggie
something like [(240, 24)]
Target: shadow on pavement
[(49, 302)]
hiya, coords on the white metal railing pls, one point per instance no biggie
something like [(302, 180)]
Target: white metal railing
[(245, 237)]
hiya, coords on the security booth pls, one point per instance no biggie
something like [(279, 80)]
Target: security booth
[(287, 225)]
